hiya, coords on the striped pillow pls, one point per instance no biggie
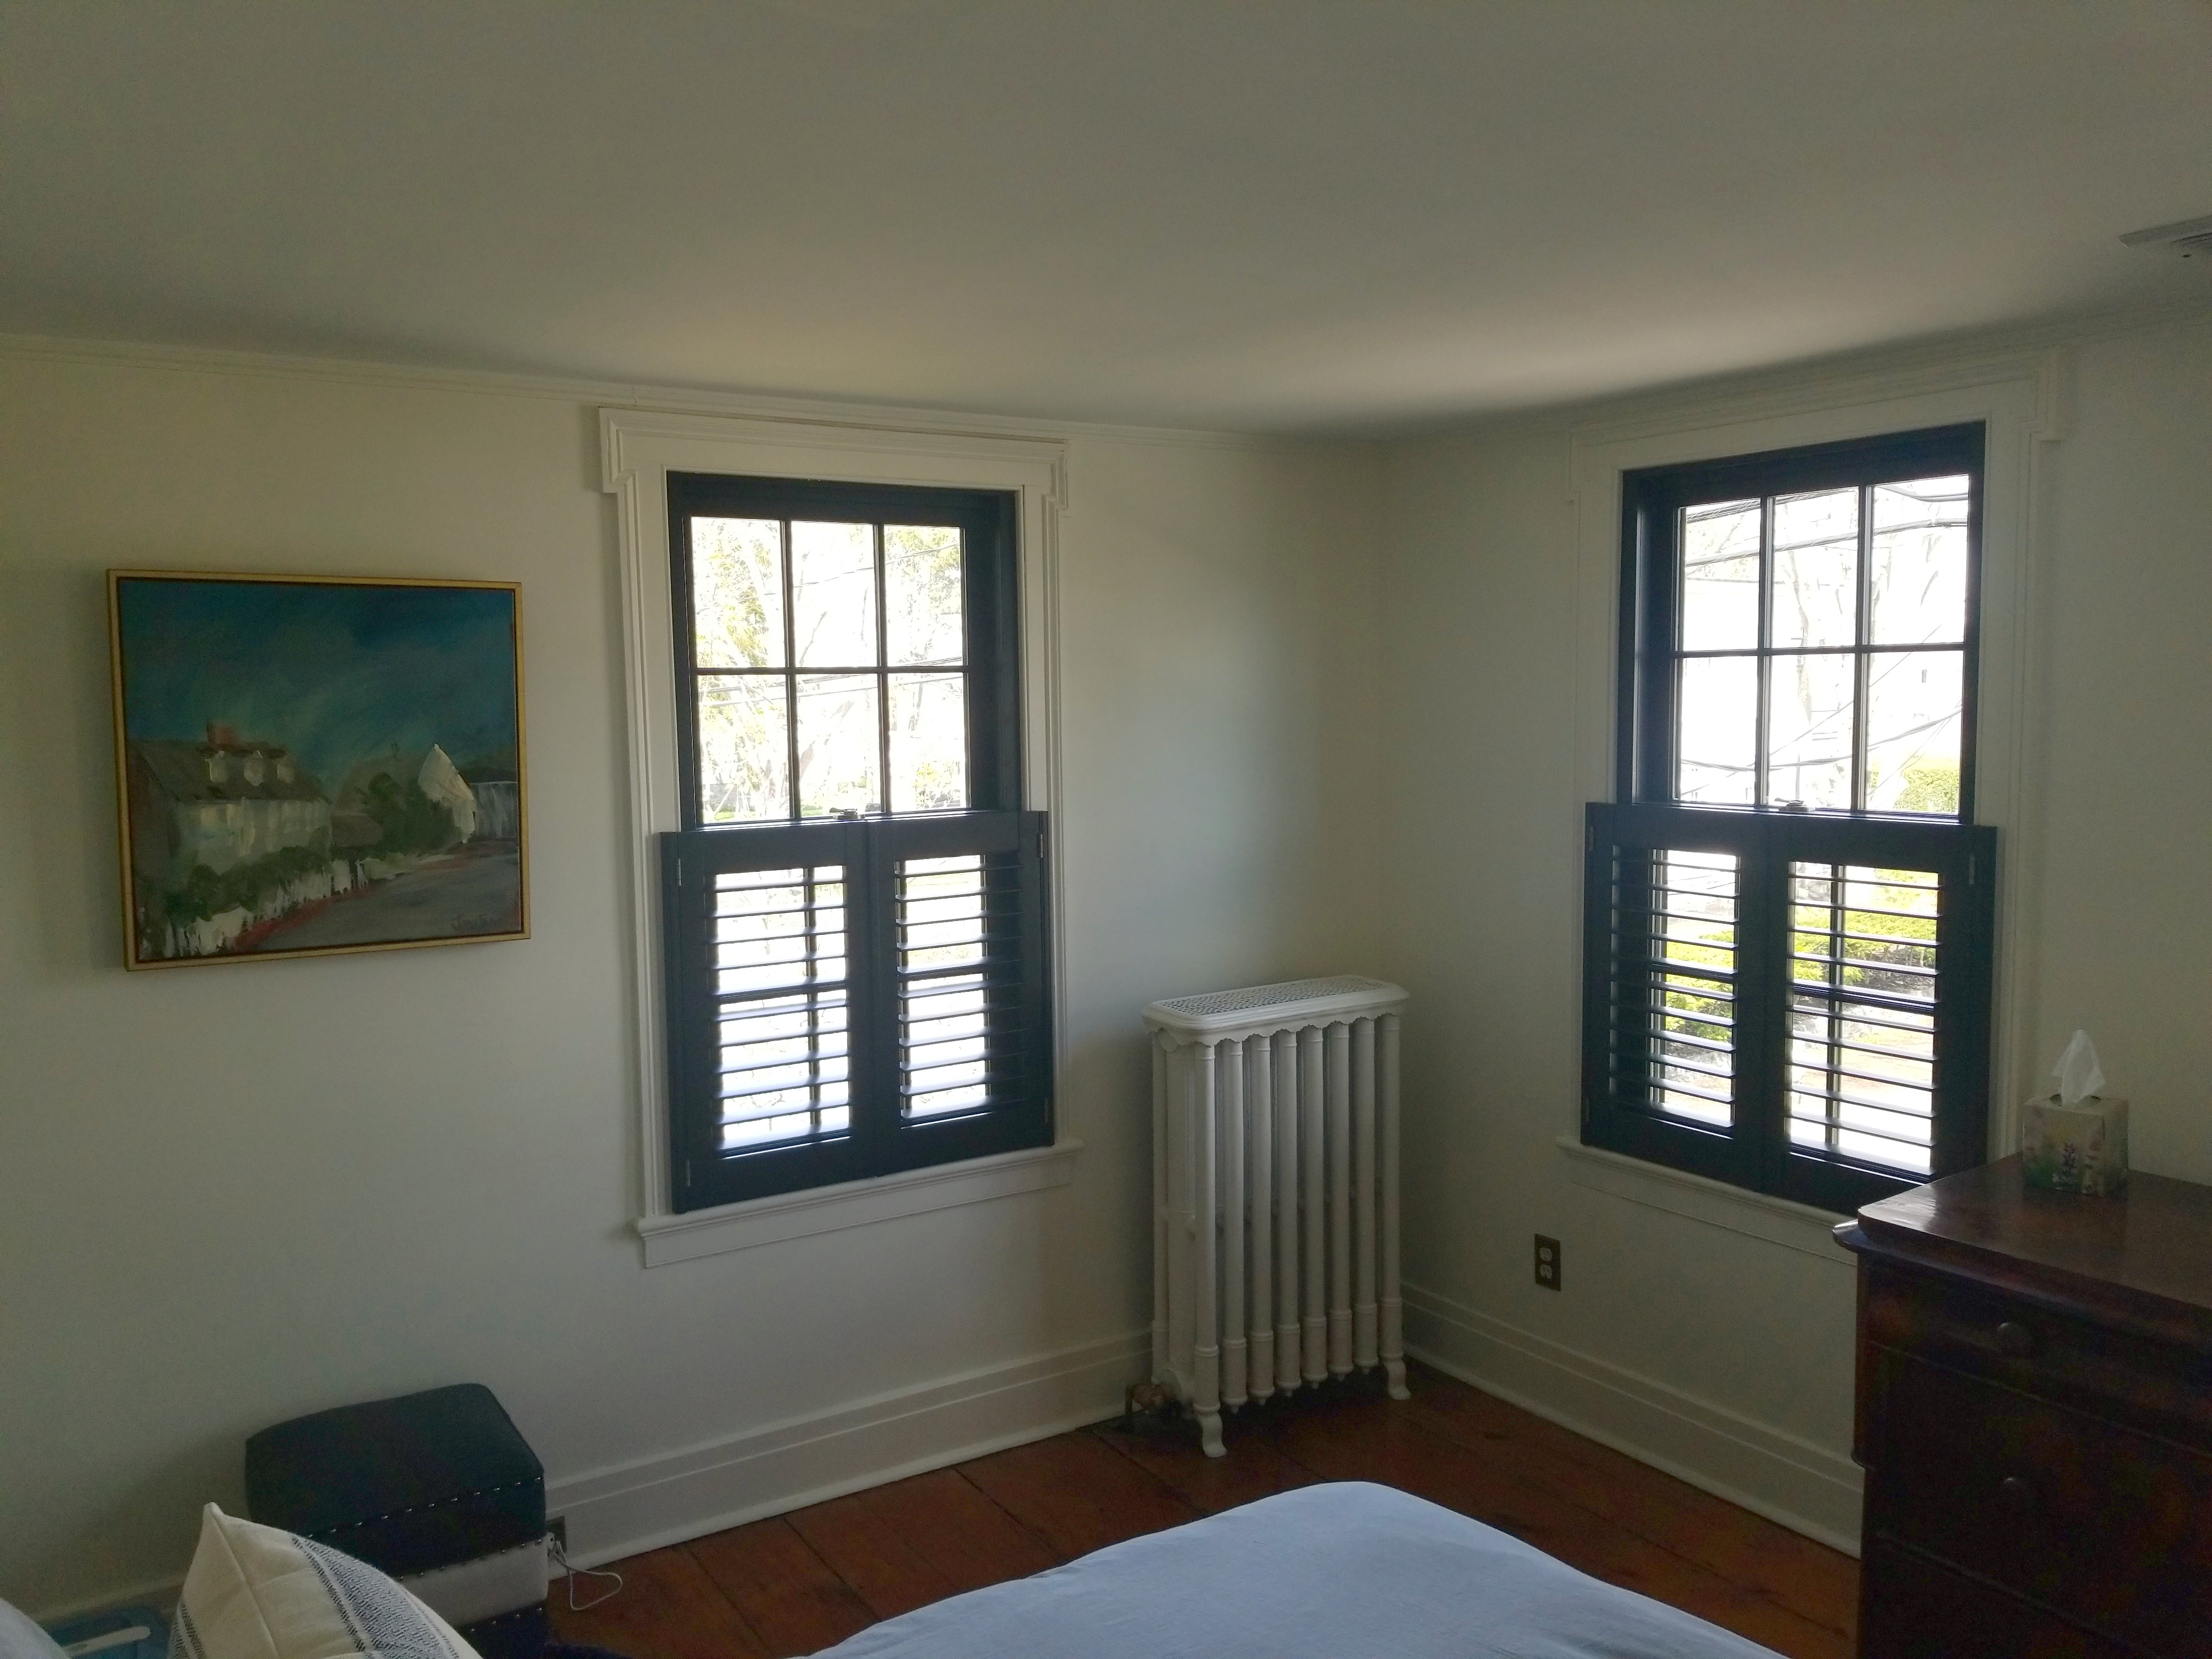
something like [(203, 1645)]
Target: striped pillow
[(254, 1592)]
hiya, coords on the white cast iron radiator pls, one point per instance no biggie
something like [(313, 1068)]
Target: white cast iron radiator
[(1274, 1191)]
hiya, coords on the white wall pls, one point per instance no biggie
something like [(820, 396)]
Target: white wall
[(232, 1193), (1722, 1354)]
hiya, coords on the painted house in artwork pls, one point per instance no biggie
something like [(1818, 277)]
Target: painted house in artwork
[(223, 833), (220, 804)]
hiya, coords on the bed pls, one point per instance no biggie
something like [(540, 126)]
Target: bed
[(1345, 1570)]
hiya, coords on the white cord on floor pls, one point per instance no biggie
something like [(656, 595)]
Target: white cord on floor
[(559, 1552)]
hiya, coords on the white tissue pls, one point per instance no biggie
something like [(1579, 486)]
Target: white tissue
[(2078, 1073)]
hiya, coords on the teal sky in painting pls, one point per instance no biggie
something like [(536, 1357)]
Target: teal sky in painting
[(331, 671)]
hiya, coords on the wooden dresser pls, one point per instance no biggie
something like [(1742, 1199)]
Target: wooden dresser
[(2035, 1420)]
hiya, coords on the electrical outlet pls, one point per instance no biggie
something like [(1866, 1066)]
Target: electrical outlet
[(1547, 1262), (558, 1526)]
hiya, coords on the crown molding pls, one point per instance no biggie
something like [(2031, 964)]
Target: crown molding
[(1817, 376), (1978, 356), (672, 400)]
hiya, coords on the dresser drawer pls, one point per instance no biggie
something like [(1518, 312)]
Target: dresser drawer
[(2113, 1526), (1910, 1608), (2154, 1385)]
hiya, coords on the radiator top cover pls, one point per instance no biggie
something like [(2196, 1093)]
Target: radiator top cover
[(1259, 1008)]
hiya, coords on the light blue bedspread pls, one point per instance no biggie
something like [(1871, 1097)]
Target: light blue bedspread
[(1347, 1571)]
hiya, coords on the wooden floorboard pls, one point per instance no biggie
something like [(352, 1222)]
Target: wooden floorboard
[(1809, 1578), (910, 1543), (808, 1580), (667, 1608), (1077, 1494), (1252, 1470), (793, 1599)]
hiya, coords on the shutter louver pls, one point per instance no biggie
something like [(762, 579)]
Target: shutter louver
[(1672, 1046), (1864, 967), (781, 1008), (954, 1007)]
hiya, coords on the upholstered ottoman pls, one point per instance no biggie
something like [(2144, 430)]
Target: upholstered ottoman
[(438, 1489)]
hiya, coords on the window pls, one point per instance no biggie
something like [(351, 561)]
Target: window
[(1788, 910), (853, 907)]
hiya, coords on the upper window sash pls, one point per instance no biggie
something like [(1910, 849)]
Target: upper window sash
[(988, 665), (1651, 685)]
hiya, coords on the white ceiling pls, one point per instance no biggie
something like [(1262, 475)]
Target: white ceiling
[(1260, 214)]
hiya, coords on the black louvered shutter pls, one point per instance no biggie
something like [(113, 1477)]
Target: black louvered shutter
[(853, 997), (1787, 1001)]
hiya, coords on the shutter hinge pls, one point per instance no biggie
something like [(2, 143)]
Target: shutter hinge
[(1039, 843), (1972, 858), (679, 873)]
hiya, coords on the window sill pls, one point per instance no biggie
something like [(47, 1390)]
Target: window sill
[(696, 1233), (1778, 1220)]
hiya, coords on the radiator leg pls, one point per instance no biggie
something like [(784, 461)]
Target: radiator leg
[(1393, 1307), (1209, 1435)]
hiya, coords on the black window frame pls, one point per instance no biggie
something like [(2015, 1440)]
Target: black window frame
[(1765, 841), (870, 847)]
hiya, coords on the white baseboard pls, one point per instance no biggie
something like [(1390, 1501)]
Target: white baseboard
[(643, 1505), (1805, 1487)]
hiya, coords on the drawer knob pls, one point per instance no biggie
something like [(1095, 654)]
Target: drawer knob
[(2016, 1494), (2015, 1339)]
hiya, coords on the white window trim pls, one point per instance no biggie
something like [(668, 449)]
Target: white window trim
[(638, 449), (2018, 397)]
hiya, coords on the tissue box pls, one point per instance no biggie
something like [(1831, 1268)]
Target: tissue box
[(2081, 1148)]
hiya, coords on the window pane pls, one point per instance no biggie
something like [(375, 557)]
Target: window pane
[(833, 594), (1914, 709), (1720, 576), (1716, 721), (1919, 588), (736, 593), (839, 754), (1862, 1014), (929, 743), (1809, 756), (1816, 565), (922, 621), (745, 749)]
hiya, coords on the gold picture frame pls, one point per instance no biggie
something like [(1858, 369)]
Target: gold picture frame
[(286, 777)]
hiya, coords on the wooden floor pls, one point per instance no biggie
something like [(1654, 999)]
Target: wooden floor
[(805, 1580)]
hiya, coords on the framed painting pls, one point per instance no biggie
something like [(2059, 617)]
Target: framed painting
[(311, 764)]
